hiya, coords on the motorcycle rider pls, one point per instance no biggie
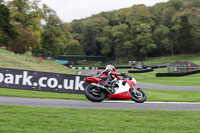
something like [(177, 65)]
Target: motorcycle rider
[(108, 74)]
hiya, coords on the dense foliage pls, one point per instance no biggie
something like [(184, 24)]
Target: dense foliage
[(140, 31), (126, 34), (31, 26), (7, 30)]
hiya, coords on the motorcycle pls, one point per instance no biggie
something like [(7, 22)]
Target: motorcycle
[(119, 89)]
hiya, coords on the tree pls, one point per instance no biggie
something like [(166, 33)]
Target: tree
[(163, 31), (75, 28), (193, 18), (137, 32), (23, 42), (28, 13), (7, 30), (108, 42), (161, 39), (144, 40), (141, 24), (183, 36), (56, 38), (52, 37), (72, 48), (92, 35), (122, 45), (120, 16)]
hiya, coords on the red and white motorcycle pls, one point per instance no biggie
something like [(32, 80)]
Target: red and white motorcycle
[(120, 89)]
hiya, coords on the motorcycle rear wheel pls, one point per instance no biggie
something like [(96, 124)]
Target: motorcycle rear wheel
[(94, 93), (138, 99)]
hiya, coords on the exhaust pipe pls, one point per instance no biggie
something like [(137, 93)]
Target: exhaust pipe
[(101, 86), (98, 85)]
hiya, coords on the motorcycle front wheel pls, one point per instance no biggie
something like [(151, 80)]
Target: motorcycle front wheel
[(139, 97), (94, 93)]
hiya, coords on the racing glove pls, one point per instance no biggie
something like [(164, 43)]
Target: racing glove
[(124, 74)]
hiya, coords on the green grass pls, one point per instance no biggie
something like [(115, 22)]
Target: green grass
[(195, 58), (17, 61), (19, 119), (172, 96), (152, 95), (150, 77), (39, 94)]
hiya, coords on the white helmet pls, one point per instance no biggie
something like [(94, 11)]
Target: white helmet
[(110, 68)]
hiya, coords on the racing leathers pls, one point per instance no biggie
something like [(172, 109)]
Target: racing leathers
[(109, 75)]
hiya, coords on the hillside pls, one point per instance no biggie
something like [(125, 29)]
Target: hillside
[(195, 58), (10, 60), (139, 31)]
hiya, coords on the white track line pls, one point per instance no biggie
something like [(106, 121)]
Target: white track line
[(152, 102)]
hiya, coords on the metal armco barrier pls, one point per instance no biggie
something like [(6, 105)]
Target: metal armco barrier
[(41, 81)]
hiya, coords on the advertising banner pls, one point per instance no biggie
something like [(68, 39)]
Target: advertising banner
[(41, 81)]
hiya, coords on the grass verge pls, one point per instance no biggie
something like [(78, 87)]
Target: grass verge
[(19, 119), (17, 61), (39, 94), (150, 77), (172, 96), (168, 59), (152, 95)]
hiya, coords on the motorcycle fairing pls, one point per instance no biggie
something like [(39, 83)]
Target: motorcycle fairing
[(122, 95), (92, 79), (129, 82), (122, 91)]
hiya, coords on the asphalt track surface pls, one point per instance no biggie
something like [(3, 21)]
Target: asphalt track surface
[(35, 102), (156, 87)]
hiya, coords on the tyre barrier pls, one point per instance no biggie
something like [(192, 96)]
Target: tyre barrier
[(176, 74), (138, 70), (155, 67), (84, 68), (95, 68), (118, 67), (141, 71)]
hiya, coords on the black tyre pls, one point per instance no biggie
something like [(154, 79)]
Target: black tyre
[(94, 93), (139, 97)]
